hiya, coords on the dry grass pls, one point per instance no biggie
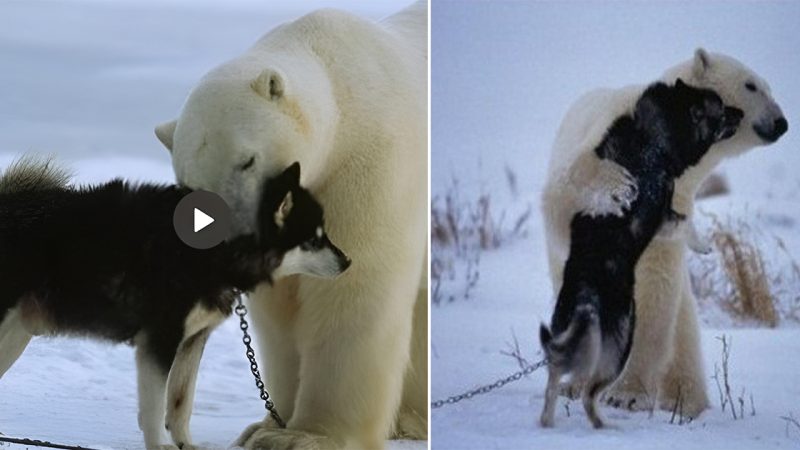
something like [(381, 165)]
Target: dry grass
[(744, 265), (461, 230), (737, 279)]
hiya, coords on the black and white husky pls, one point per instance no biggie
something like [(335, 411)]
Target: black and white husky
[(591, 330), (105, 262)]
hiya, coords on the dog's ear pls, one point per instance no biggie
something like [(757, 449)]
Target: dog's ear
[(166, 133), (284, 209), (292, 174), (680, 84), (701, 63)]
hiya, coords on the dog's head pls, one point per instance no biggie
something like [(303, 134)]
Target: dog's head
[(705, 120), (292, 229), (690, 118)]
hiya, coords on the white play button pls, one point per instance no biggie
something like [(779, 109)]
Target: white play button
[(201, 220)]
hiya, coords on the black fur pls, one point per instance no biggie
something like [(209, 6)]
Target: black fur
[(105, 261), (672, 127)]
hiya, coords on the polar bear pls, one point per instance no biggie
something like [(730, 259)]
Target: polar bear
[(665, 362), (347, 98)]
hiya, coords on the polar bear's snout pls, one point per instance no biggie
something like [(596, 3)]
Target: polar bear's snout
[(772, 126)]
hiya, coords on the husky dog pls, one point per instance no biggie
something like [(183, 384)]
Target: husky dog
[(105, 262), (591, 330)]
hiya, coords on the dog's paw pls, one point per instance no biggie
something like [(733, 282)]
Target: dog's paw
[(546, 421), (630, 400), (611, 190), (283, 439)]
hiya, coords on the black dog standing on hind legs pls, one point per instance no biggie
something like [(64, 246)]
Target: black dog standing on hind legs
[(105, 262), (591, 331)]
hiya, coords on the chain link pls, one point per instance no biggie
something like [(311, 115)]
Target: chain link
[(489, 387), (241, 311)]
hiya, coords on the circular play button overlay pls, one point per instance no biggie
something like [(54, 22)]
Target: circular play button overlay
[(202, 219)]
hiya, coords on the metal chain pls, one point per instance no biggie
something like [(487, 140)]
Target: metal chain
[(241, 311), (37, 443), (489, 387)]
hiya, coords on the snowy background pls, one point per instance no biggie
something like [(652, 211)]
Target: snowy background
[(503, 75), (88, 81)]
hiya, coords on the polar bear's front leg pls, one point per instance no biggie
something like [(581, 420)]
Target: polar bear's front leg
[(685, 380), (273, 313), (657, 302), (603, 186), (353, 338), (412, 419)]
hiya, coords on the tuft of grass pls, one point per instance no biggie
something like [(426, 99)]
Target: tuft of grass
[(463, 228), (738, 279), (744, 264)]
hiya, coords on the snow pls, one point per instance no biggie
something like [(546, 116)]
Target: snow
[(503, 75), (87, 81)]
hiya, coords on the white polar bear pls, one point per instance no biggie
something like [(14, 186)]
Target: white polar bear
[(347, 98), (665, 360)]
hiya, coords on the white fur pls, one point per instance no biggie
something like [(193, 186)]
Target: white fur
[(152, 386), (321, 263), (665, 357), (350, 104), (14, 337)]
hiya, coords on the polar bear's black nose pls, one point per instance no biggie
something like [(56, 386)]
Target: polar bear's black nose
[(780, 127)]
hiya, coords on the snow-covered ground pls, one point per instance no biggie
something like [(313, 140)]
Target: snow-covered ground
[(87, 81), (503, 75)]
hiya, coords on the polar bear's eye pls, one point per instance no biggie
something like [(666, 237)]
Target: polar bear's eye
[(247, 164), (751, 86)]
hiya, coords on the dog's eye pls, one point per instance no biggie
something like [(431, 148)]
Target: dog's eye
[(751, 86), (247, 164)]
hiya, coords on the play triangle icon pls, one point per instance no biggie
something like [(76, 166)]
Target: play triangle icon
[(201, 220)]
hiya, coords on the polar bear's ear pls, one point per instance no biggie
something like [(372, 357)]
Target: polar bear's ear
[(269, 84), (702, 61), (165, 133)]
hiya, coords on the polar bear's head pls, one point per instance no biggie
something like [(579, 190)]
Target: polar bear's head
[(244, 123), (763, 121)]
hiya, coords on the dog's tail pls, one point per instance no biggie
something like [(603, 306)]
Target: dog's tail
[(562, 346), (31, 173)]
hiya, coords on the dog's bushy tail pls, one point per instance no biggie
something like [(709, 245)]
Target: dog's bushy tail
[(565, 343), (32, 173)]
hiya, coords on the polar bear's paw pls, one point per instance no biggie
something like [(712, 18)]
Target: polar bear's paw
[(688, 400), (410, 425), (610, 190), (632, 400), (270, 438), (251, 429)]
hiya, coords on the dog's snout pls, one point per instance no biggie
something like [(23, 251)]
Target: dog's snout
[(344, 263), (733, 115)]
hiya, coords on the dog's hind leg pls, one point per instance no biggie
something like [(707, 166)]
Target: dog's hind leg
[(547, 419), (152, 381), (181, 386), (593, 390), (13, 339)]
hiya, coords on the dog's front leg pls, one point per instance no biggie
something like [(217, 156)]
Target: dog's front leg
[(152, 383), (180, 390)]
